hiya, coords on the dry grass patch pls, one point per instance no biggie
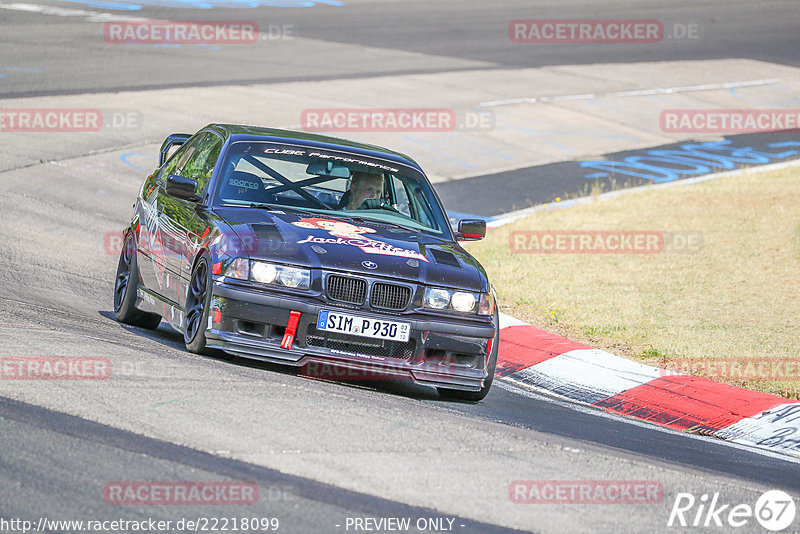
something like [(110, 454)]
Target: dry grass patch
[(737, 297)]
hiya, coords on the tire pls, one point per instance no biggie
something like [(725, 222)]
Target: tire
[(198, 303), (475, 396), (125, 289)]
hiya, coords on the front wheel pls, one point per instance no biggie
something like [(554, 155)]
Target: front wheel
[(125, 289), (479, 395), (198, 302)]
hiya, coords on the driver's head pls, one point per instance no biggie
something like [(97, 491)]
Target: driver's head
[(363, 186)]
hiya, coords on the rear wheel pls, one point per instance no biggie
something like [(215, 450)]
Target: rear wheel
[(125, 289), (198, 302), (475, 396)]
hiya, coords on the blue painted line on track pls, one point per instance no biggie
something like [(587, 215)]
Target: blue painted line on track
[(690, 159), (19, 69), (124, 158), (513, 190), (782, 144), (203, 4)]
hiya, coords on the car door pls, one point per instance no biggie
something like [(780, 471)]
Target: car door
[(157, 228), (186, 228)]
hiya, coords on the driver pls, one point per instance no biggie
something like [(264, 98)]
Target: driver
[(363, 185)]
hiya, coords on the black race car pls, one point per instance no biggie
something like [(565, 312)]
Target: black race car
[(304, 250)]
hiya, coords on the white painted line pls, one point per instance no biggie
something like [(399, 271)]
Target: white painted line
[(91, 16), (635, 92), (692, 88), (777, 429), (589, 375), (533, 392), (586, 376), (507, 320)]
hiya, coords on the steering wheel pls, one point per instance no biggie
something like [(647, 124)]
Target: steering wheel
[(377, 204)]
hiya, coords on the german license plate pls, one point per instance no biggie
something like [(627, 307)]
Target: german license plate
[(361, 326)]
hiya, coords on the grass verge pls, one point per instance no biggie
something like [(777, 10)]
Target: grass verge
[(728, 310)]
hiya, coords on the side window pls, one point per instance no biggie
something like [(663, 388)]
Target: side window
[(201, 159), (169, 168), (422, 209), (401, 196), (178, 159)]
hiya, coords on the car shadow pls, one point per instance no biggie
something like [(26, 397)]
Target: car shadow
[(323, 372)]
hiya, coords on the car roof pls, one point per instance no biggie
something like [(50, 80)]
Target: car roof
[(238, 132)]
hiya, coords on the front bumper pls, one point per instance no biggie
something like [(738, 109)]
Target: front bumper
[(440, 352)]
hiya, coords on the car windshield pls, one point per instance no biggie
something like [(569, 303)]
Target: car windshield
[(327, 181)]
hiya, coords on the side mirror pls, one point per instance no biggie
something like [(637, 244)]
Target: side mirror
[(173, 141), (471, 230), (182, 187)]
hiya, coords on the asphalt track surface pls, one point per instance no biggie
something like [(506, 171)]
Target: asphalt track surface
[(491, 195), (320, 451), (442, 36)]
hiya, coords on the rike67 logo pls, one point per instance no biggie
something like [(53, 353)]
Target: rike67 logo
[(774, 510)]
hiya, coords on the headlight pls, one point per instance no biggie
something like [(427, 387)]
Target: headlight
[(269, 273), (264, 273), (292, 277), (463, 301), (459, 301), (438, 299), (239, 269)]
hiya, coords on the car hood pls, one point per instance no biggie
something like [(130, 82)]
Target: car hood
[(367, 247)]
